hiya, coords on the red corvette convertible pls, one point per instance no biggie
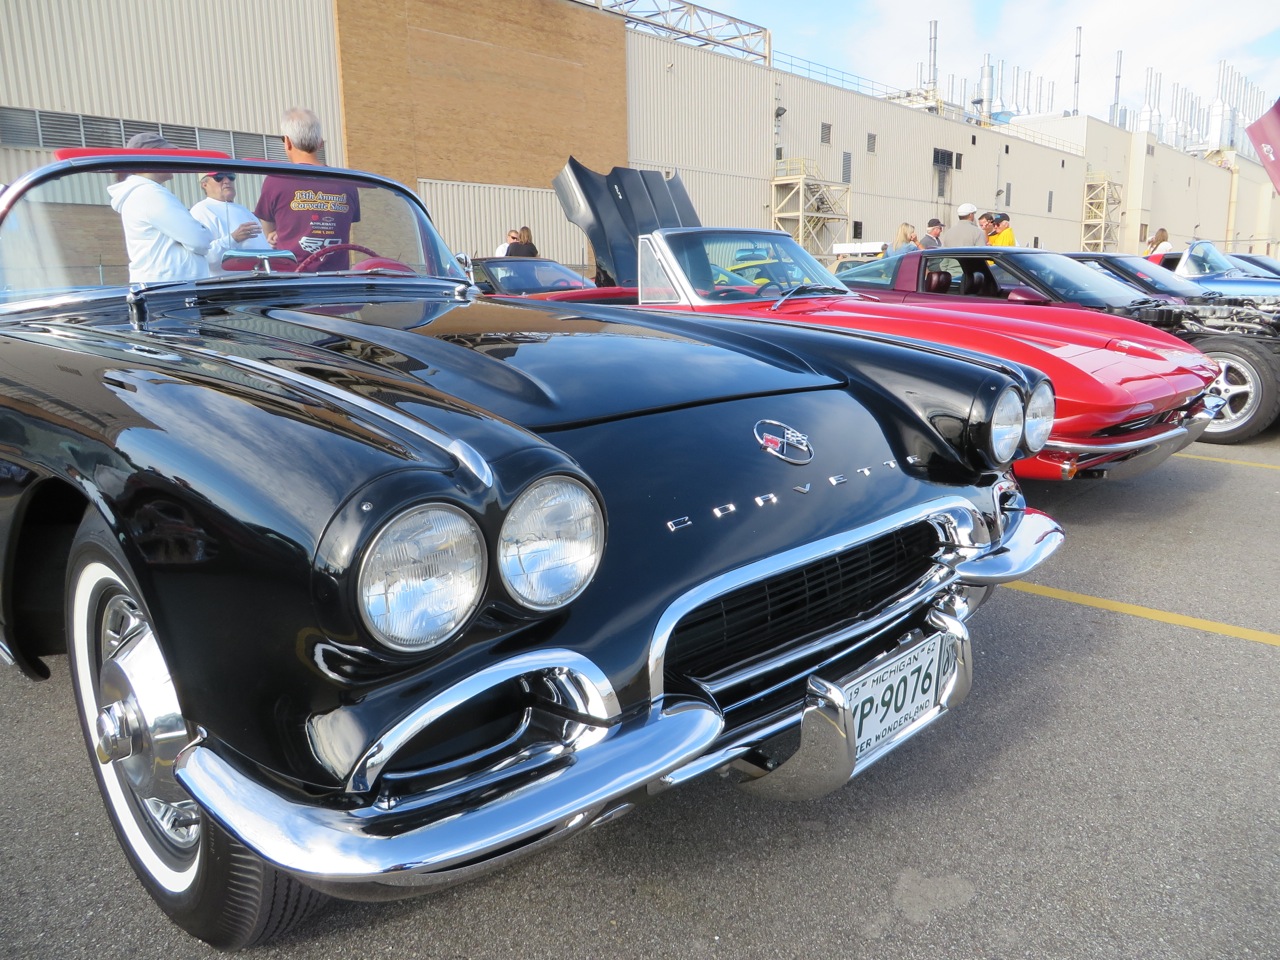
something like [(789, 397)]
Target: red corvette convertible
[(1128, 396)]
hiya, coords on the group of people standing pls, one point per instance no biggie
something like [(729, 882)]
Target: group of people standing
[(519, 243), (991, 229), (165, 241)]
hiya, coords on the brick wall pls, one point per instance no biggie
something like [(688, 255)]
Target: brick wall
[(481, 91)]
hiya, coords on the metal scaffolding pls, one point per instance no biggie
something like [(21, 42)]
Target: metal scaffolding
[(813, 210), (690, 23), (1100, 229)]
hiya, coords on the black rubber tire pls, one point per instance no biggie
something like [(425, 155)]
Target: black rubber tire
[(208, 883), (1250, 380)]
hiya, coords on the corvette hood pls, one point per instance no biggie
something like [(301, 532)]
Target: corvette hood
[(539, 367)]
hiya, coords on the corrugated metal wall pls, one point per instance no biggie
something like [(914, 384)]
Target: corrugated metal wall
[(474, 218), (710, 117), (229, 64)]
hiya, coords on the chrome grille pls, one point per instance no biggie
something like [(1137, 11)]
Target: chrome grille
[(799, 607)]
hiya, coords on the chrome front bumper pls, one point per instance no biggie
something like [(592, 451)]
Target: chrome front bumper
[(406, 844), (1137, 455)]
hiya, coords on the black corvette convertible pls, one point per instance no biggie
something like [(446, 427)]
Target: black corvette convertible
[(368, 586)]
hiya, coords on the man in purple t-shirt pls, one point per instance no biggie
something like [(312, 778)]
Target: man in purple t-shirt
[(306, 214)]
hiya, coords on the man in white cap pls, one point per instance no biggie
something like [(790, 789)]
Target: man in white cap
[(966, 233)]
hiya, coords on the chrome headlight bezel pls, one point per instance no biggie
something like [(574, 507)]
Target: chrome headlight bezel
[(1041, 409), (535, 524), (1006, 426), (453, 530)]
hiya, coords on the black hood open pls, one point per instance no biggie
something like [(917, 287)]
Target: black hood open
[(616, 208)]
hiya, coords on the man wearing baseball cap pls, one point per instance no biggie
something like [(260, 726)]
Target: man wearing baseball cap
[(163, 240), (930, 239), (234, 227), (1002, 232), (966, 233)]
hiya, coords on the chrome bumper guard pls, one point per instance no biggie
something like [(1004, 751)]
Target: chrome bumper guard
[(415, 845)]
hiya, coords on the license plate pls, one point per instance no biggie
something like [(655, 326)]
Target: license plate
[(893, 695)]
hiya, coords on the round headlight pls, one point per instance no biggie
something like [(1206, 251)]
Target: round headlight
[(1040, 410), (551, 543), (1006, 426), (421, 577)]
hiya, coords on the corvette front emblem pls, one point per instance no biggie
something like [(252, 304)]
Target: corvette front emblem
[(784, 442)]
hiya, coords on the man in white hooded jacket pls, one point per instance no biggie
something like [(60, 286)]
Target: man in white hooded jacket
[(164, 241)]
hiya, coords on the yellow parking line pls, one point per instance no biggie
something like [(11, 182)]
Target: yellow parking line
[(1238, 463), (1193, 623)]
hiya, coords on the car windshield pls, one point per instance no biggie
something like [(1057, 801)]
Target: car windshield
[(521, 275), (742, 265), (110, 222), (1158, 278), (870, 273), (1074, 281), (1202, 259)]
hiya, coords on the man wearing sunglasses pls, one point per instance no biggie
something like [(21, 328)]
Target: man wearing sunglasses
[(234, 227)]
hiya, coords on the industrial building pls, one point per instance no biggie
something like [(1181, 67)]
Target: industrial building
[(478, 104)]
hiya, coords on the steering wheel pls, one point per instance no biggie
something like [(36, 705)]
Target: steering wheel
[(313, 261), (561, 284), (767, 284)]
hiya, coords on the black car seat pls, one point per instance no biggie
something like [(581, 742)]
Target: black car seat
[(937, 281)]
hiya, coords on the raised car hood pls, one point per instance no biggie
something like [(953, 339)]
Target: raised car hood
[(616, 208)]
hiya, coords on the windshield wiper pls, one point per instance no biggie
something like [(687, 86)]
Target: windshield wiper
[(807, 288)]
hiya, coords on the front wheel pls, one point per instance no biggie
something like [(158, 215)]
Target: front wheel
[(1248, 382), (208, 883)]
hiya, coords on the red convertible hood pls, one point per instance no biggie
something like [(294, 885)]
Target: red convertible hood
[(1137, 362)]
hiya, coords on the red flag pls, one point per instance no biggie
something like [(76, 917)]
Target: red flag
[(1265, 135)]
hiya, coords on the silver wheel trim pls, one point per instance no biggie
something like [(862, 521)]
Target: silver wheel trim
[(1238, 385), (159, 823)]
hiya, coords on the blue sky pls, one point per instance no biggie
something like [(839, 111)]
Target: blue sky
[(1182, 40)]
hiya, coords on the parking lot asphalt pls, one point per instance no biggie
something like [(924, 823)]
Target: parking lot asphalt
[(1110, 789)]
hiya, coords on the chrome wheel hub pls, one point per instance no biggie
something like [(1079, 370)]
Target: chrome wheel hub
[(1237, 385), (139, 729)]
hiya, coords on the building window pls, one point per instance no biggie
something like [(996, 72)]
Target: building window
[(777, 153), (959, 157), (1035, 241), (846, 167), (1008, 195), (857, 229), (943, 158), (825, 134), (871, 143), (973, 140), (942, 182), (1050, 201), (1006, 148), (1142, 232), (1151, 149)]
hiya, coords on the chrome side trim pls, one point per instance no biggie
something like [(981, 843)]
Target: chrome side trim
[(956, 518), (598, 700), (357, 845)]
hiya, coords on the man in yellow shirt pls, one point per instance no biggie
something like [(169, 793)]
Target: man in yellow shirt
[(1002, 233)]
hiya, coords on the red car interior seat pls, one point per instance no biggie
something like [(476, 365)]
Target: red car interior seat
[(937, 281)]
